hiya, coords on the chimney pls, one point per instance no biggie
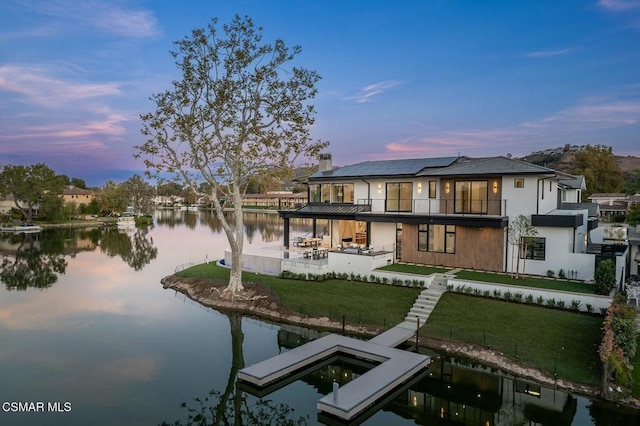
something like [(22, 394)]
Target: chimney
[(325, 162)]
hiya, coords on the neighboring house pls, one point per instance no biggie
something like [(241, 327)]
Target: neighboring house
[(453, 212), (6, 204), (77, 196), (611, 204), (633, 200), (277, 199)]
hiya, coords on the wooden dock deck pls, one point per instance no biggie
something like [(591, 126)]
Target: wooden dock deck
[(396, 366)]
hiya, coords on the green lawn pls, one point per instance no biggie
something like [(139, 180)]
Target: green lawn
[(554, 341), (372, 304), (527, 281), (413, 269)]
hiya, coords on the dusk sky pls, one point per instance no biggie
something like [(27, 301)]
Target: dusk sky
[(400, 79)]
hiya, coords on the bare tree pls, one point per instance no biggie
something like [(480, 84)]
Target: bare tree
[(238, 110), (520, 230)]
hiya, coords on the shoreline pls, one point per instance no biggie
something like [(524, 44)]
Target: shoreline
[(492, 359)]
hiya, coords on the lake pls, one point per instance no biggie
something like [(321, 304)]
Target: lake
[(89, 336)]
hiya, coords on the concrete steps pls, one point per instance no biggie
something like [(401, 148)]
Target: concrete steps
[(427, 301)]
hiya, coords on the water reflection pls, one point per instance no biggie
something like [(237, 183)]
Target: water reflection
[(455, 391), (136, 249), (37, 260), (31, 261), (233, 406)]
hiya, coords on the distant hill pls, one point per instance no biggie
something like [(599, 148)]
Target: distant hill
[(564, 161)]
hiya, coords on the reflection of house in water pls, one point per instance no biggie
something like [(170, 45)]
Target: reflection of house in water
[(451, 393), (473, 396)]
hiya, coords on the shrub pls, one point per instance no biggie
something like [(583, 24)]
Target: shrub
[(385, 280), (486, 293), (507, 295), (449, 287), (518, 297), (605, 277), (551, 303), (550, 273), (496, 293), (561, 274), (528, 299), (372, 278), (561, 304), (468, 290), (589, 307), (540, 300), (575, 304)]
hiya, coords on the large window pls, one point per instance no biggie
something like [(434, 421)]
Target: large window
[(342, 193), (437, 238), (532, 248), (314, 193), (432, 189), (471, 196), (319, 193), (399, 197)]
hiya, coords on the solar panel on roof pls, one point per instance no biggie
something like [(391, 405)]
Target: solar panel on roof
[(388, 167)]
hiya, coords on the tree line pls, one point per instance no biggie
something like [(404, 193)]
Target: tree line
[(37, 192)]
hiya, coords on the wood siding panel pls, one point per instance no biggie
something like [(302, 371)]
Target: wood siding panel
[(476, 248)]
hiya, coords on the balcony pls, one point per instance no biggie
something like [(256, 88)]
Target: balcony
[(435, 206)]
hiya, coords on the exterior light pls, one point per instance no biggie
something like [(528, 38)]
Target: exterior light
[(419, 187), (495, 186), (379, 188), (446, 187)]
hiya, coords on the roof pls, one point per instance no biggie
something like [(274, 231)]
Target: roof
[(608, 195), (489, 166), (592, 208), (568, 181), (409, 167), (72, 190)]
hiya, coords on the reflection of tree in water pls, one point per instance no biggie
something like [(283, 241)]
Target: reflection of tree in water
[(137, 251), (232, 406), (37, 262)]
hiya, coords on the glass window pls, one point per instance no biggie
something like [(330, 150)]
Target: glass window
[(342, 193), (399, 197), (314, 193), (325, 193), (432, 189), (437, 238), (471, 196), (422, 237), (518, 183), (532, 248)]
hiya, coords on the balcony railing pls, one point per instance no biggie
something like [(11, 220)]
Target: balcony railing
[(435, 206)]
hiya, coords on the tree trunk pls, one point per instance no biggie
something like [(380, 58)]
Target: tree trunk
[(518, 260), (235, 235)]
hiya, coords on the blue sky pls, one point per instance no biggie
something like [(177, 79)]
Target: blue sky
[(400, 79)]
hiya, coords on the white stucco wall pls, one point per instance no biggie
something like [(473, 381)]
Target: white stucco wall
[(519, 200)]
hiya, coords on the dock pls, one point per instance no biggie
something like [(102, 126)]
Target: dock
[(395, 367)]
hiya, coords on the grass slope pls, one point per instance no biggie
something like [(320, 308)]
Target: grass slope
[(528, 281), (371, 304), (555, 341)]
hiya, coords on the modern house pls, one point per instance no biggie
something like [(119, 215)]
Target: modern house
[(453, 212)]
